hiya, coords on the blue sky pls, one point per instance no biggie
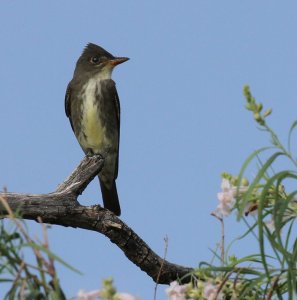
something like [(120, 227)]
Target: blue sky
[(183, 116)]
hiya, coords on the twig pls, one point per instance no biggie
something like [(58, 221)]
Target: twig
[(274, 284), (234, 286), (222, 236), (50, 265), (18, 275), (161, 267), (222, 285)]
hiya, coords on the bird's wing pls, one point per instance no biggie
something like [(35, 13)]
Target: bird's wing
[(67, 103), (114, 99)]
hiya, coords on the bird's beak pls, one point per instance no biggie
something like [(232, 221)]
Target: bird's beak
[(118, 60)]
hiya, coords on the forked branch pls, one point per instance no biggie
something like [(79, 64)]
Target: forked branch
[(62, 208)]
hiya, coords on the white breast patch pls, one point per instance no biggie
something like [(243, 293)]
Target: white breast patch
[(94, 132)]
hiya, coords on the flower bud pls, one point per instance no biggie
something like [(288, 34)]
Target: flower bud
[(259, 107), (267, 112), (259, 118), (244, 182)]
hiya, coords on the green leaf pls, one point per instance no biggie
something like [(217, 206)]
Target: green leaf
[(293, 126), (247, 195), (52, 256)]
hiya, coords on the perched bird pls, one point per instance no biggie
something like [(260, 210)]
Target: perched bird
[(93, 108)]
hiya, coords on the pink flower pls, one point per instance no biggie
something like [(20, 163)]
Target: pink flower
[(83, 295), (210, 292), (227, 197), (176, 291), (125, 296)]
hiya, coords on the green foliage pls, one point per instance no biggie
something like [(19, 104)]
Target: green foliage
[(269, 211), (274, 202), (27, 280)]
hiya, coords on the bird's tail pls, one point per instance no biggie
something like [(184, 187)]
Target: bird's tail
[(110, 198)]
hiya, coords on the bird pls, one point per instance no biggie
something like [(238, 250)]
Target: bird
[(93, 108)]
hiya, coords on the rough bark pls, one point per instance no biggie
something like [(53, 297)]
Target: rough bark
[(62, 208)]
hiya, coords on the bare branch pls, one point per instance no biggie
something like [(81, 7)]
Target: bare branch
[(62, 208)]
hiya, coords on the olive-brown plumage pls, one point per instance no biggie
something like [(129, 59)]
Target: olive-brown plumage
[(93, 108)]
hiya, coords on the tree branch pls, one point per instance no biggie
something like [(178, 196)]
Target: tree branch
[(62, 208)]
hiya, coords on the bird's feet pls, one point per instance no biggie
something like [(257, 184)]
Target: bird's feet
[(89, 153)]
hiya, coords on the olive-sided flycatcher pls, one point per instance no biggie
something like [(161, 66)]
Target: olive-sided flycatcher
[(93, 108)]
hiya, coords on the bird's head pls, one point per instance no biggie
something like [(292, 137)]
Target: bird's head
[(96, 61)]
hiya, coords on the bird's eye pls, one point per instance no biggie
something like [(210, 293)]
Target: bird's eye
[(95, 59)]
